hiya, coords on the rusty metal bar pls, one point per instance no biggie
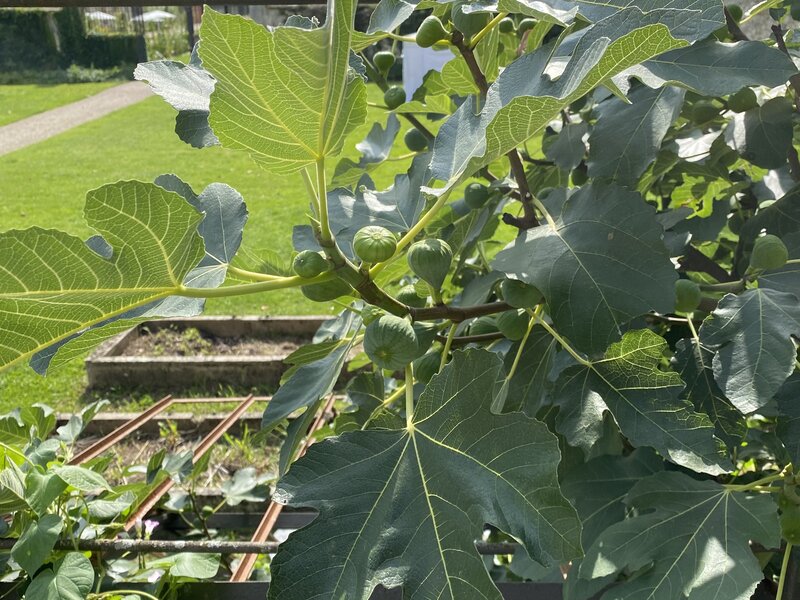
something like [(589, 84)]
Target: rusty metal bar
[(220, 400), (205, 445), (122, 431), (206, 546), (245, 567)]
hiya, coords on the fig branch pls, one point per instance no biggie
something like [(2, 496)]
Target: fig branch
[(529, 219)]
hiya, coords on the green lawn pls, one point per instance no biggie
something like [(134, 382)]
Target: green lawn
[(20, 101), (45, 185)]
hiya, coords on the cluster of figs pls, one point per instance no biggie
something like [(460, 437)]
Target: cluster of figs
[(393, 342)]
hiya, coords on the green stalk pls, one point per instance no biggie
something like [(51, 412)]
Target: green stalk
[(322, 199), (489, 26), (252, 275), (744, 487), (784, 570), (447, 344), (251, 288), (565, 345), (409, 396)]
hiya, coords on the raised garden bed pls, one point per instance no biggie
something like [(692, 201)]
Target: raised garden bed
[(202, 351)]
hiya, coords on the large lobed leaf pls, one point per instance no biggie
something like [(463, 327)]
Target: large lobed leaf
[(690, 539), (755, 354), (627, 137), (601, 264), (287, 95), (644, 400), (405, 507), (715, 68), (224, 216), (53, 285)]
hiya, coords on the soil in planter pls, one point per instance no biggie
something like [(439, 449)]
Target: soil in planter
[(173, 341)]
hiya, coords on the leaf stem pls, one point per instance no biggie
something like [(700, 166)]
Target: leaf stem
[(322, 199), (402, 38), (227, 291), (787, 552), (733, 287), (564, 344), (693, 329), (744, 487), (312, 192), (400, 391), (447, 345), (252, 275), (489, 26), (409, 386)]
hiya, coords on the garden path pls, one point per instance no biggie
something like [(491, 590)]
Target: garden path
[(37, 128)]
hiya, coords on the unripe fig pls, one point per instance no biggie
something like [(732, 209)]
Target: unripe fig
[(427, 365), (506, 25), (374, 244), (308, 264), (476, 195), (513, 324), (326, 291), (520, 294), (383, 60), (525, 25), (704, 111), (390, 342), (430, 261), (769, 253), (394, 97), (430, 31), (687, 295), (743, 100), (408, 296), (415, 140), (790, 524)]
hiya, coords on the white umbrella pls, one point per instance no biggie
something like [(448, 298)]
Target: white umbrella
[(156, 16), (99, 15)]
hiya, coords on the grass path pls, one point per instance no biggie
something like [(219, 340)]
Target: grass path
[(21, 101)]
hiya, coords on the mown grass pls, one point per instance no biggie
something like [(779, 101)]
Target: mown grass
[(46, 184), (20, 101)]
